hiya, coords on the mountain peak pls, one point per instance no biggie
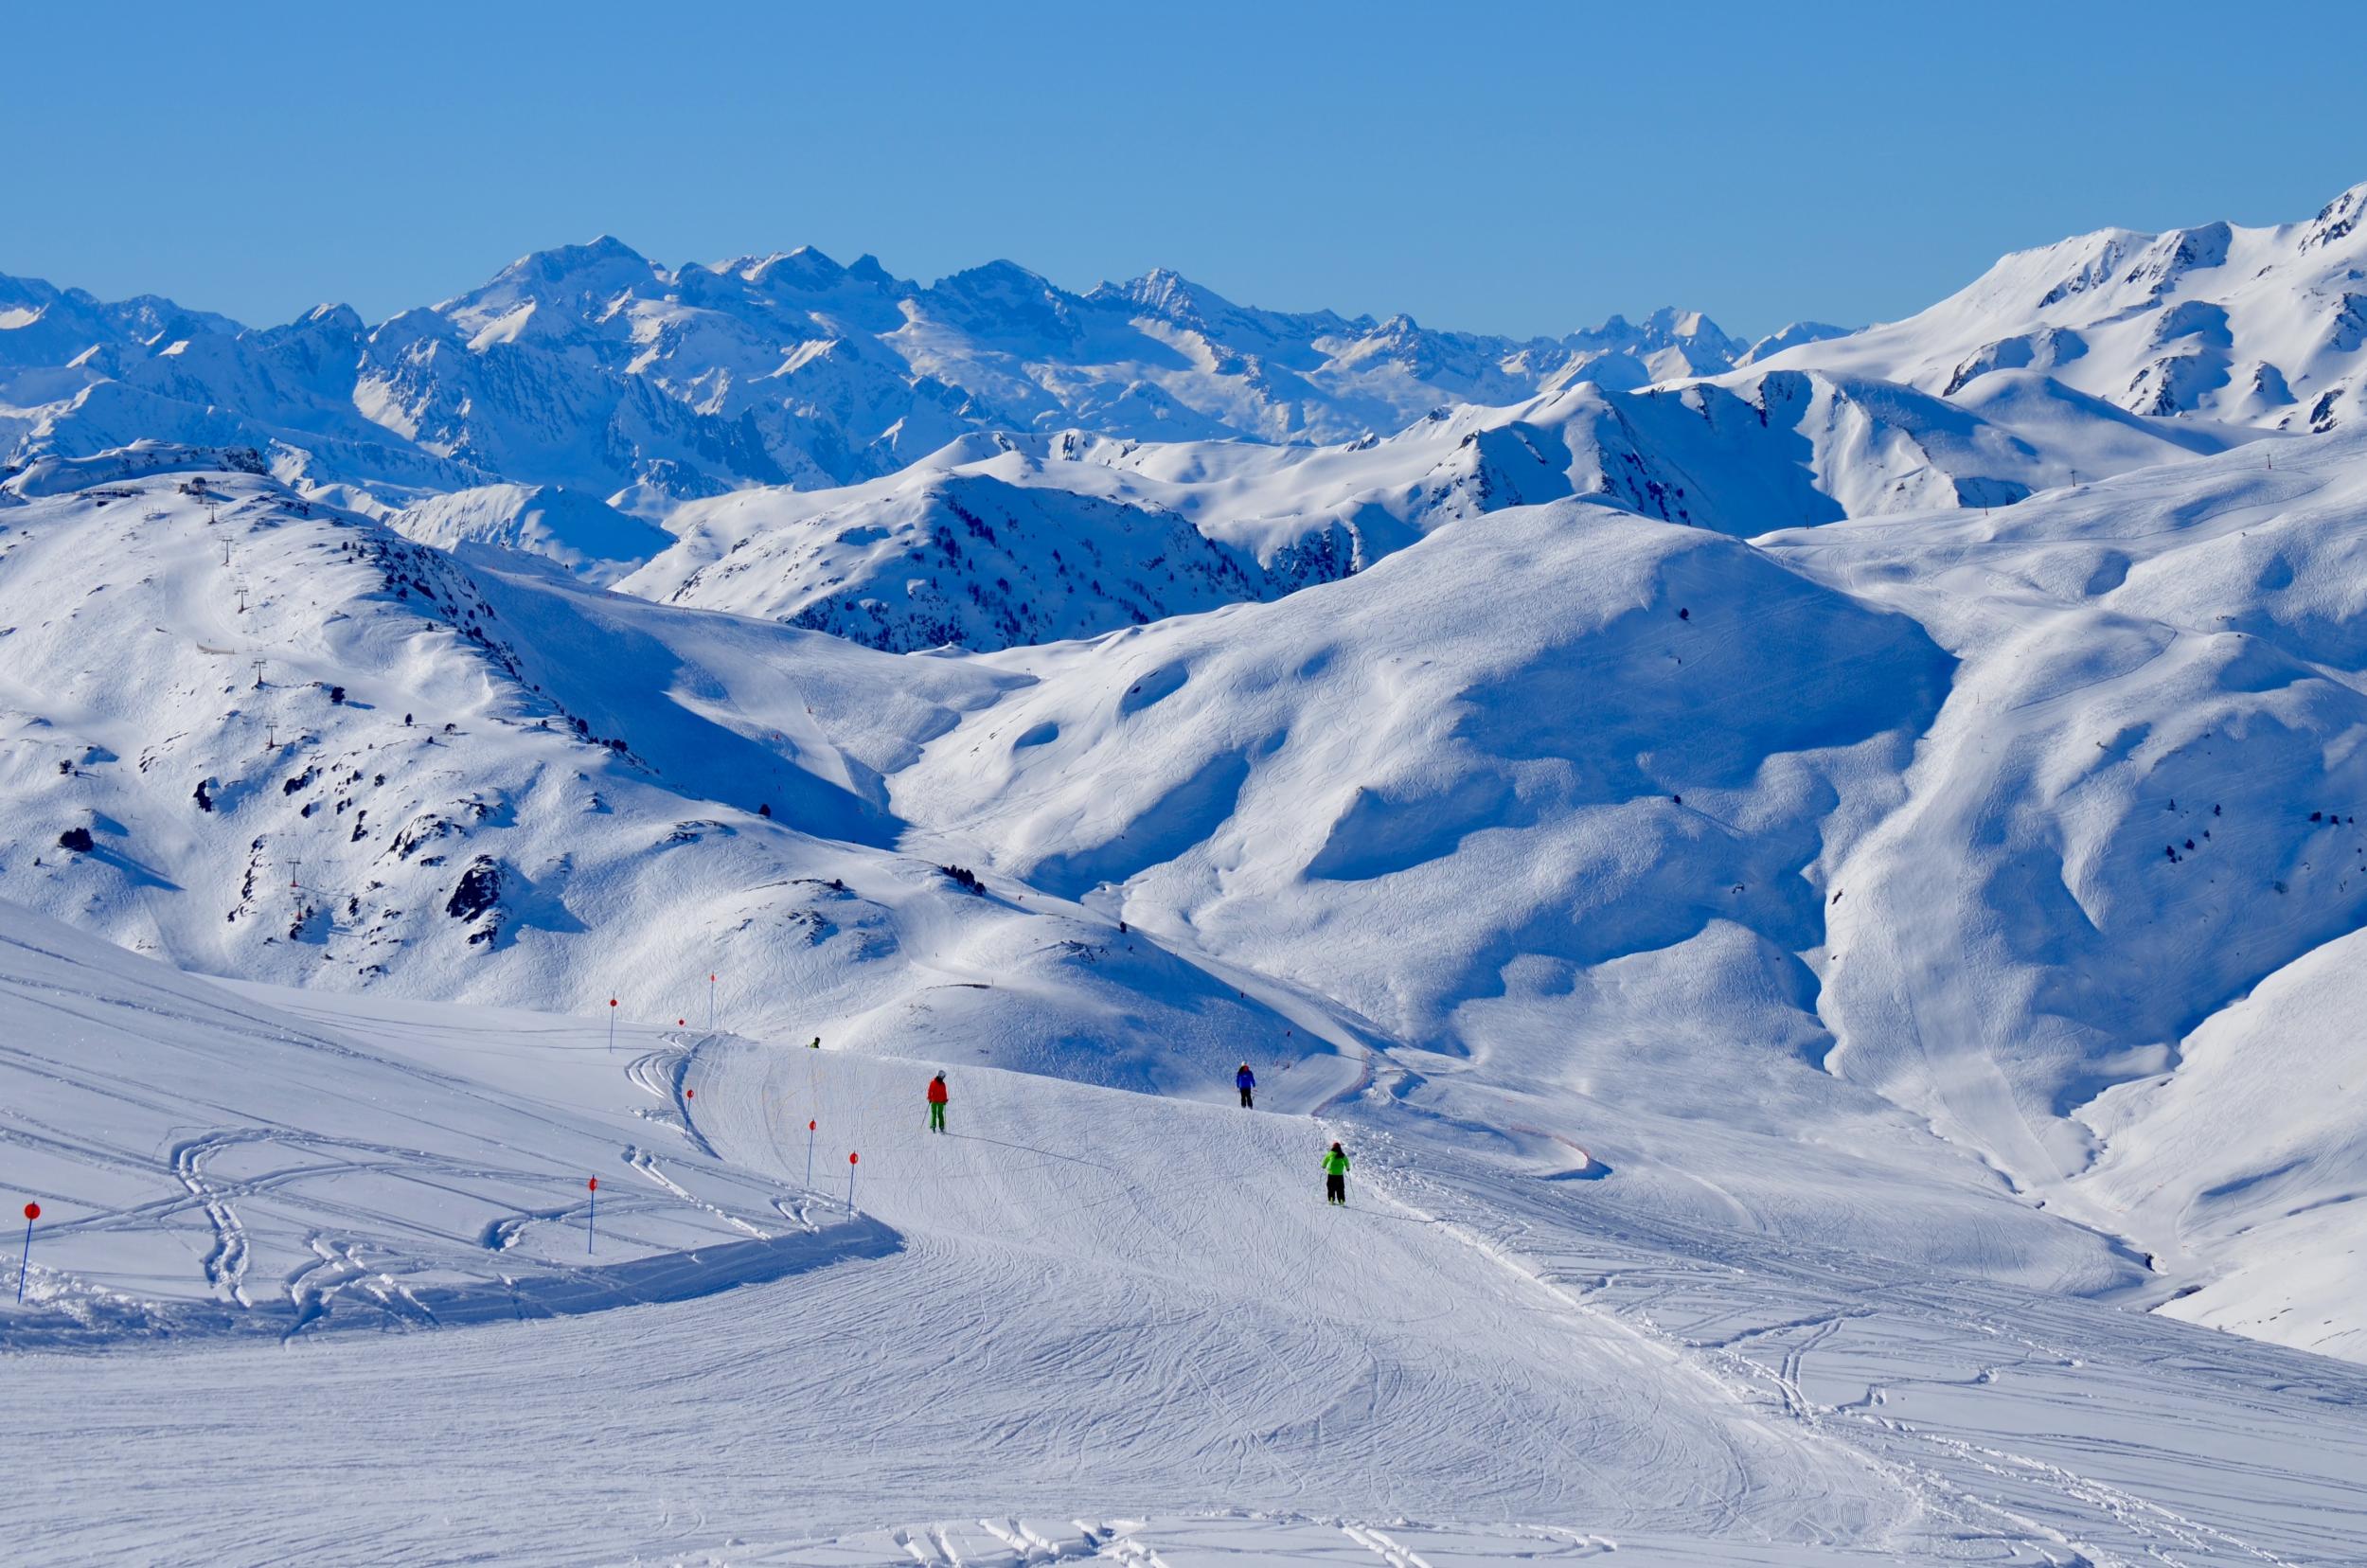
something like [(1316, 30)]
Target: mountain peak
[(604, 258), (1164, 292), (2337, 220), (1000, 274), (806, 267)]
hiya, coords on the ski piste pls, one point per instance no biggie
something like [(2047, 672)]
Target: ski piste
[(1494, 1294)]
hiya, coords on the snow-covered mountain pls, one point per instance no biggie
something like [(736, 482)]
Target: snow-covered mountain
[(594, 540), (593, 368), (451, 780), (1533, 745), (1000, 541), (2260, 326), (1822, 884)]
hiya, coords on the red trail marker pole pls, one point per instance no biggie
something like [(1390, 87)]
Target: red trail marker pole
[(850, 1181), (25, 1264), (591, 1213), (612, 1023), (810, 1153), (710, 1004)]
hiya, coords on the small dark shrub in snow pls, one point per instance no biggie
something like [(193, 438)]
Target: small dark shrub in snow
[(75, 839), (963, 877)]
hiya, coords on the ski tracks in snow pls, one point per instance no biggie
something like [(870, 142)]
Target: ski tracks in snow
[(1185, 1285), (1983, 1402)]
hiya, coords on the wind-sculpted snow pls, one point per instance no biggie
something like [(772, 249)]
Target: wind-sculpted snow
[(1474, 795)]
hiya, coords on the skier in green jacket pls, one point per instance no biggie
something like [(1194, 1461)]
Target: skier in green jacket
[(1336, 1176)]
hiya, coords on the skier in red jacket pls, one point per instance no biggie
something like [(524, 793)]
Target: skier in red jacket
[(936, 1103)]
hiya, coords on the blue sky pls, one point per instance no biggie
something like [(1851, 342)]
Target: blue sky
[(1498, 168)]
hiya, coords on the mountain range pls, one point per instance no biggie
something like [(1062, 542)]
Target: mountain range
[(593, 368), (1821, 881)]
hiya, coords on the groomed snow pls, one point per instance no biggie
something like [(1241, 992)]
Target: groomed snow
[(1080, 1307)]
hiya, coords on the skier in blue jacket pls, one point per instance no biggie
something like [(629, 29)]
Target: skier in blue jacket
[(1245, 1080)]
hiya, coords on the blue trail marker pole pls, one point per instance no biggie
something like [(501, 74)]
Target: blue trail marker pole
[(32, 1212), (591, 1214)]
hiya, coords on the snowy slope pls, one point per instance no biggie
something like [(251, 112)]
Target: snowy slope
[(1087, 1324), (210, 1163), (2138, 804), (966, 556), (1488, 798), (1821, 884), (454, 781), (591, 538), (2262, 327), (2245, 1165), (1497, 795)]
